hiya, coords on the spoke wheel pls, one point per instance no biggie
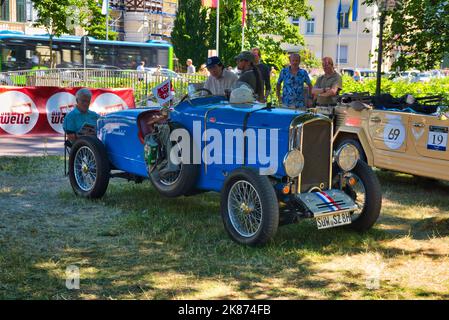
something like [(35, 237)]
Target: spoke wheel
[(85, 169), (245, 209), (249, 207), (89, 170)]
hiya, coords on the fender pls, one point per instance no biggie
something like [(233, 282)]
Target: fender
[(360, 135)]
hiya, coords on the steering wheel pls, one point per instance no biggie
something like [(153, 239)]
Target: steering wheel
[(196, 92)]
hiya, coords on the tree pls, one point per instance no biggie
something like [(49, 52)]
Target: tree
[(191, 32), (416, 33), (57, 17), (268, 26), (95, 24)]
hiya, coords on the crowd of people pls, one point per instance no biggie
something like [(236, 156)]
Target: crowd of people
[(256, 75)]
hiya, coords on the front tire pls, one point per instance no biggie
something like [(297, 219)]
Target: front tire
[(89, 168), (363, 187), (249, 208)]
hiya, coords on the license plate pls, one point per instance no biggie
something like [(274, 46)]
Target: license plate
[(333, 220)]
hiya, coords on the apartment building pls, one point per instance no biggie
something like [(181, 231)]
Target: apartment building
[(352, 48), (18, 15), (133, 20), (142, 20)]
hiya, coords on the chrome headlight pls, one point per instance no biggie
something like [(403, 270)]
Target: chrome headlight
[(347, 156), (294, 163)]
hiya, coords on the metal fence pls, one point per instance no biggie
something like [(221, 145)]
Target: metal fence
[(141, 82)]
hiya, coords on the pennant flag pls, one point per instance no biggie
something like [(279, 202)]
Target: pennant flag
[(164, 92), (243, 12), (105, 7), (209, 3), (353, 10), (339, 17)]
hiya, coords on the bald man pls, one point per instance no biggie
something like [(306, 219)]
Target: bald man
[(328, 85)]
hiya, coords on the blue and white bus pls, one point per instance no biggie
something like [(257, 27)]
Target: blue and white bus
[(24, 52)]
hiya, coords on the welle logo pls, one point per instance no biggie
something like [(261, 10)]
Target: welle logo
[(58, 106), (108, 102), (18, 113)]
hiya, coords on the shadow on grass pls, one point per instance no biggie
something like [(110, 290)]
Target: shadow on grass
[(159, 248), (185, 237)]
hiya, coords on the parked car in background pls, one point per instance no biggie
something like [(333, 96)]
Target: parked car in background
[(406, 75), (437, 74), (422, 77), (364, 73)]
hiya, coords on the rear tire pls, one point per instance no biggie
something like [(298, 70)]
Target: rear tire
[(249, 208), (89, 168), (180, 182)]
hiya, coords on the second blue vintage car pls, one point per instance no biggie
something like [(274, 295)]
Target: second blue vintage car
[(272, 166)]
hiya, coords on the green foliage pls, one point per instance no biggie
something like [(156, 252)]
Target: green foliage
[(399, 88), (191, 35), (308, 59), (52, 15), (95, 24), (416, 33), (267, 27)]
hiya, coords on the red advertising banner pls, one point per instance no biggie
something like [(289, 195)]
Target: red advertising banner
[(41, 110)]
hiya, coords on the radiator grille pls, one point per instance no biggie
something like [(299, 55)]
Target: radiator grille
[(316, 146)]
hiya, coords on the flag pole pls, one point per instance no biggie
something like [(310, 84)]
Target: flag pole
[(243, 23), (218, 27), (357, 38), (107, 20), (243, 37), (338, 53)]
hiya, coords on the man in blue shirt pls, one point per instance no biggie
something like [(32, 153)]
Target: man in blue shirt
[(81, 118), (293, 78)]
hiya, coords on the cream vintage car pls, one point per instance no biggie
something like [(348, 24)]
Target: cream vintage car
[(405, 136)]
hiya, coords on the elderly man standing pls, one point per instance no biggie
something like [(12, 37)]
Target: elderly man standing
[(294, 79), (219, 79), (80, 120), (328, 85)]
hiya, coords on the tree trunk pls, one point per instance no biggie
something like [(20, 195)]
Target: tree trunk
[(51, 51)]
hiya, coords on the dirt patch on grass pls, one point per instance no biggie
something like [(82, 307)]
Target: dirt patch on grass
[(135, 244)]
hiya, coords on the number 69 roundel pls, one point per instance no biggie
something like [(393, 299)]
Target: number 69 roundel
[(394, 133)]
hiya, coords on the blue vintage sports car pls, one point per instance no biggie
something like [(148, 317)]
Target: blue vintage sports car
[(272, 166)]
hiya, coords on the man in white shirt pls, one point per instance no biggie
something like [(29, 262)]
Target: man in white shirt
[(141, 69), (141, 66), (190, 67), (220, 80)]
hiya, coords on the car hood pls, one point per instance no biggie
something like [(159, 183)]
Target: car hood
[(220, 112)]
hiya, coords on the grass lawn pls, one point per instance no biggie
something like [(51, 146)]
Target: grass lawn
[(134, 244)]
